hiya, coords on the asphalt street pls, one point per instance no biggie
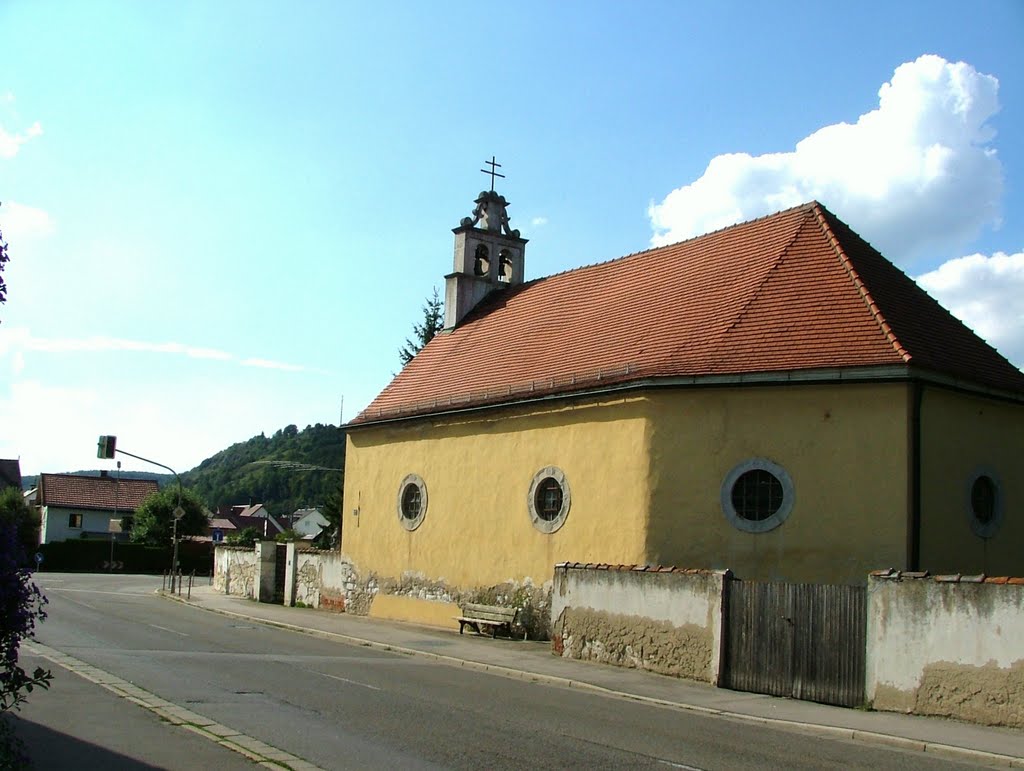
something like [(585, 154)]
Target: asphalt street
[(337, 705)]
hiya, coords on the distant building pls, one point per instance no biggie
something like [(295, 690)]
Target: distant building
[(72, 506), (231, 520), (308, 523)]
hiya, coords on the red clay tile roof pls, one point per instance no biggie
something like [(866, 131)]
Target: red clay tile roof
[(81, 492), (797, 290)]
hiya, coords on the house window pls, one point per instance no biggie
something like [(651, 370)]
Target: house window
[(75, 521), (549, 499), (412, 501), (757, 495), (984, 502)]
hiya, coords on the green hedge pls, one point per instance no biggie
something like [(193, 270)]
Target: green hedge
[(89, 556)]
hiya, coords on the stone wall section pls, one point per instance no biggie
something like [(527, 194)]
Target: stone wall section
[(947, 645), (235, 571), (323, 579), (662, 619)]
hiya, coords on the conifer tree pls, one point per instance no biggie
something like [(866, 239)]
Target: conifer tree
[(423, 333)]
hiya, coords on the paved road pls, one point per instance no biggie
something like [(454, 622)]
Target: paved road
[(342, 706)]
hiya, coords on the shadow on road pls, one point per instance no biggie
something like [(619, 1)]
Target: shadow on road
[(49, 749)]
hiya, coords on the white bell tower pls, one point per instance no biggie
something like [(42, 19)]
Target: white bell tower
[(488, 254)]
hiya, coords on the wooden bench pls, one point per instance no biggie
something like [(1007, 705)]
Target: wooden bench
[(492, 616)]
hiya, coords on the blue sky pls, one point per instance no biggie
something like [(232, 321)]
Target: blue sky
[(224, 217)]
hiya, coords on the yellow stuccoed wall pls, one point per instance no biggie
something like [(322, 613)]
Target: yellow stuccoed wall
[(961, 434), (845, 448), (478, 469)]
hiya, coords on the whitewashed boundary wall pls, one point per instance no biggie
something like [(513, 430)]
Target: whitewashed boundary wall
[(665, 620), (235, 571), (322, 579), (947, 645)]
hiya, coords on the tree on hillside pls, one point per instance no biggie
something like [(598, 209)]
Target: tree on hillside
[(423, 333), (242, 474), (153, 520)]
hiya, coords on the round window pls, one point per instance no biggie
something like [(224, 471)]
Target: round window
[(984, 503), (549, 499), (757, 495), (412, 501)]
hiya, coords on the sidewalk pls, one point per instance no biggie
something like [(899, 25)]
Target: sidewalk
[(1002, 747), (80, 724)]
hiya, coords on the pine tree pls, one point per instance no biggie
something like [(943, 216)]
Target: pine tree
[(433, 322)]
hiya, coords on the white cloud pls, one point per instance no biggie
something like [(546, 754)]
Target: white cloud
[(20, 222), (23, 339), (917, 172), (17, 340), (268, 364), (987, 294), (10, 144), (54, 428), (539, 221)]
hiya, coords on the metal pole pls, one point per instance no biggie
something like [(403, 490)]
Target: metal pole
[(174, 559)]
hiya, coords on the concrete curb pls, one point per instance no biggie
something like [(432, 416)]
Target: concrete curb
[(947, 751)]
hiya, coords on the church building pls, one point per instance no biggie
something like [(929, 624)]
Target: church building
[(775, 398)]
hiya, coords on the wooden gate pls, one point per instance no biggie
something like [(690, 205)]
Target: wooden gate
[(280, 563), (805, 641)]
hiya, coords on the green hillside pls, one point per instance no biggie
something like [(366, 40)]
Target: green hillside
[(239, 475)]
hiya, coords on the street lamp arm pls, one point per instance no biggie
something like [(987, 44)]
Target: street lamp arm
[(177, 511), (161, 465)]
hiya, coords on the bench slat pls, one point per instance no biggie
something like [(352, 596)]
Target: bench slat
[(493, 616), (492, 612)]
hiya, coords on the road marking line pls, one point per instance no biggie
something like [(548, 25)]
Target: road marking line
[(165, 629), (95, 591), (346, 680)]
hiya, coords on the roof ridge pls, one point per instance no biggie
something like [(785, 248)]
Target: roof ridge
[(768, 273), (858, 282), (772, 215)]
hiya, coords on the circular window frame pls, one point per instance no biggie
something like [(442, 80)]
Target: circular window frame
[(978, 527), (549, 526), (416, 480), (768, 523)]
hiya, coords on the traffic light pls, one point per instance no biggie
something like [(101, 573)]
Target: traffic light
[(105, 447)]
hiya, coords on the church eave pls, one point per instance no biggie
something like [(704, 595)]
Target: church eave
[(445, 406)]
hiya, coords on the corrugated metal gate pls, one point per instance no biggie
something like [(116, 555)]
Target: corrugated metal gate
[(806, 641)]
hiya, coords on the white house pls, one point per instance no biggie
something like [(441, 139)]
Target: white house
[(73, 506)]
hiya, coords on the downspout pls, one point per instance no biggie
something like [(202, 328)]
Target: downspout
[(914, 539)]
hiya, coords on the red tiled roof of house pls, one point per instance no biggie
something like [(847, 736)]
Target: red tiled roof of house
[(84, 492), (797, 290)]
